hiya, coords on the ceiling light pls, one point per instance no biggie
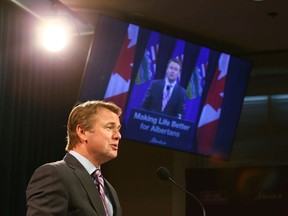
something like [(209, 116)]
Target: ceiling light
[(54, 36)]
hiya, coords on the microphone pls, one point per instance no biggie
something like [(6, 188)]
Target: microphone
[(168, 87), (164, 174)]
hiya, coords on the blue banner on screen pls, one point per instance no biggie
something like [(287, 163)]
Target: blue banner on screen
[(155, 128)]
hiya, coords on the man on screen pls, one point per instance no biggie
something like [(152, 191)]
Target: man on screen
[(167, 96)]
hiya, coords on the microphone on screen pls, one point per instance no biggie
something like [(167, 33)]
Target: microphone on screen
[(168, 87), (164, 174)]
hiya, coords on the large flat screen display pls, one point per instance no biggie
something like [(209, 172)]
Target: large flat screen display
[(174, 93)]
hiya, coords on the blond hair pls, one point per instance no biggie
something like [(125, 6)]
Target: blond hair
[(82, 114)]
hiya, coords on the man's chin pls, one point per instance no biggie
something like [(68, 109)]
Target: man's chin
[(113, 155)]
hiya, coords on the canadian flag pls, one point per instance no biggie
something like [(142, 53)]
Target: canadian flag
[(119, 83), (211, 112)]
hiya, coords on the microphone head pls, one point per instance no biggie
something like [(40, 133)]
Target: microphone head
[(163, 173)]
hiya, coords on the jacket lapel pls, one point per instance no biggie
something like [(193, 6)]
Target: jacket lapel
[(113, 198), (87, 183)]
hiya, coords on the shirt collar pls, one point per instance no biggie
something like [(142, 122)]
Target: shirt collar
[(171, 84), (84, 161)]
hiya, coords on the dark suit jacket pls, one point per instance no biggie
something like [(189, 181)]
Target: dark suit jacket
[(66, 188), (154, 95)]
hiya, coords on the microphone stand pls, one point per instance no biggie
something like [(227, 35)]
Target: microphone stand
[(181, 188)]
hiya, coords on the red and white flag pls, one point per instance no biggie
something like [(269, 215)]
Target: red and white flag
[(119, 83), (211, 112)]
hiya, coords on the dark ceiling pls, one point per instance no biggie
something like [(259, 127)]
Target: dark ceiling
[(256, 30), (243, 27)]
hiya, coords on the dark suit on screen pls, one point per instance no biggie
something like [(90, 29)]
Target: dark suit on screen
[(154, 95), (66, 188)]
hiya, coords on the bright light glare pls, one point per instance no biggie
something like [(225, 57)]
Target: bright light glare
[(54, 37)]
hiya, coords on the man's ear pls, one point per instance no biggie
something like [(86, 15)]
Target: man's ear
[(81, 132)]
